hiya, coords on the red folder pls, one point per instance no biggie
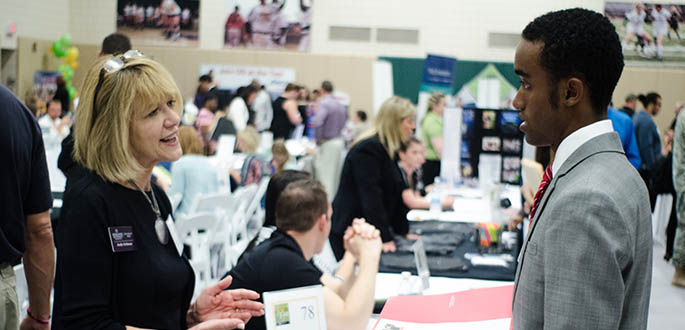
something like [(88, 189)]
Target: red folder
[(464, 306)]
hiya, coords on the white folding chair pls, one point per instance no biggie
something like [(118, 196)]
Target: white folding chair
[(195, 231), (175, 200), (238, 223), (255, 211), (212, 203)]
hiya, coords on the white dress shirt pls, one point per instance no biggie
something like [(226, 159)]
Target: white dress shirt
[(576, 139)]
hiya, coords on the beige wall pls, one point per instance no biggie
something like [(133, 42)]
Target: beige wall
[(352, 74), (668, 82)]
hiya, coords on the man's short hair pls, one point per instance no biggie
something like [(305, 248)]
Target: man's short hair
[(362, 115), (206, 78), (300, 205), (277, 184), (581, 43), (327, 86), (115, 43), (292, 87), (208, 97), (54, 101), (631, 97)]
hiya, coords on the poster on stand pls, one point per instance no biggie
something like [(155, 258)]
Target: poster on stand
[(159, 22), (268, 24), (45, 85), (491, 145)]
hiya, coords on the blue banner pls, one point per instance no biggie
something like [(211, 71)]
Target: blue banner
[(438, 74)]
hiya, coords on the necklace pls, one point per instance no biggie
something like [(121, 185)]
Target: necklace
[(160, 226)]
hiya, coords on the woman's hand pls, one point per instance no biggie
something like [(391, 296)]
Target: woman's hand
[(412, 237), (215, 302), (389, 246)]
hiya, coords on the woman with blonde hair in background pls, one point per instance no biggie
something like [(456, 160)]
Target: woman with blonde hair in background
[(119, 263), (280, 156), (192, 175), (431, 132), (251, 172), (370, 184)]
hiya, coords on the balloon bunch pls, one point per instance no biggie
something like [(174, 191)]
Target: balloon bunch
[(63, 49)]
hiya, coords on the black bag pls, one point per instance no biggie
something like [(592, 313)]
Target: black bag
[(662, 175)]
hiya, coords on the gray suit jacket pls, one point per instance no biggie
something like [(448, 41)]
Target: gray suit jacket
[(587, 260)]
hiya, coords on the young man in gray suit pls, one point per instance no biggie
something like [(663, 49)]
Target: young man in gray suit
[(587, 259)]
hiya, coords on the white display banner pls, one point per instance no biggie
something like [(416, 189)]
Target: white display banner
[(233, 76), (450, 165), (382, 84)]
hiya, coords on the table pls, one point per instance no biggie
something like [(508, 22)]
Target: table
[(387, 285), (473, 205), (454, 253)]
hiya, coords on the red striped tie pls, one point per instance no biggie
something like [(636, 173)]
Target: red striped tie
[(546, 178)]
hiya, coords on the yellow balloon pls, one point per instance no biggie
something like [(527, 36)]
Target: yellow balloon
[(74, 65), (72, 53)]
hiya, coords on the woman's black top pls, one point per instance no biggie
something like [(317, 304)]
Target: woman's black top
[(281, 126), (371, 188), (96, 288)]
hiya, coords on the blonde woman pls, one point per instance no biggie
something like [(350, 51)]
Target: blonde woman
[(192, 175), (118, 264), (431, 131), (370, 184), (280, 156)]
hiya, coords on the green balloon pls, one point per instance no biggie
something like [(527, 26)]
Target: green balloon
[(66, 40), (62, 68), (66, 71), (58, 49), (71, 90)]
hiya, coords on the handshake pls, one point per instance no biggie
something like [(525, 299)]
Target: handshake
[(363, 241)]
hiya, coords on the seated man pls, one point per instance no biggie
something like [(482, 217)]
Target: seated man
[(303, 220)]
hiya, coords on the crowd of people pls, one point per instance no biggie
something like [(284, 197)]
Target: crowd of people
[(586, 260)]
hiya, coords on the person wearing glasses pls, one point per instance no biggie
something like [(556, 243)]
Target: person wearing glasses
[(121, 264)]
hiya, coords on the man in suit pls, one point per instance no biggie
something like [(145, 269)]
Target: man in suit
[(587, 258)]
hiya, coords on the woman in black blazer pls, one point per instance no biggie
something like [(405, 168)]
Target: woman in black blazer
[(371, 183)]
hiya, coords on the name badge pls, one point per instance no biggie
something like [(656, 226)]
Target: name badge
[(299, 308), (174, 235), (121, 238)]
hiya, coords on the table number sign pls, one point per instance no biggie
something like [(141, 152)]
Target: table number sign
[(299, 308), (421, 263)]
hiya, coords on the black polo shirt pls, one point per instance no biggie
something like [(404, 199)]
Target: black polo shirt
[(275, 264), (24, 179)]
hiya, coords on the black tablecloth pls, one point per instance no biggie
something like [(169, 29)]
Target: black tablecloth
[(462, 239)]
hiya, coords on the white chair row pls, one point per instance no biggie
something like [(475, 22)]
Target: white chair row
[(217, 229)]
